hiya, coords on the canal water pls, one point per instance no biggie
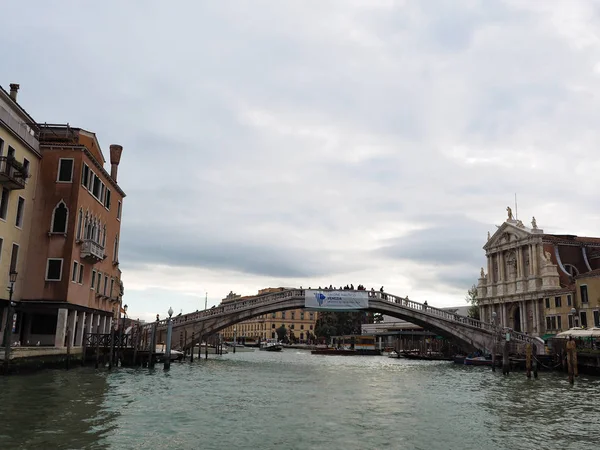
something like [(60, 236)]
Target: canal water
[(295, 400)]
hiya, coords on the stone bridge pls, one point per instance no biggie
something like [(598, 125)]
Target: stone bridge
[(471, 334)]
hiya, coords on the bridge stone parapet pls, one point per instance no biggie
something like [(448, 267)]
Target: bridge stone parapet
[(471, 333)]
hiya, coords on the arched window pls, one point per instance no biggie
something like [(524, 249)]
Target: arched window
[(94, 231), (104, 236), (59, 218), (79, 223), (116, 249)]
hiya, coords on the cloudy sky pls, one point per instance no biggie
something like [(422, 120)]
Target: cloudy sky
[(288, 143)]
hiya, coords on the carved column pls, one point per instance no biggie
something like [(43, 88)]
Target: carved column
[(533, 256), (536, 317), (501, 268), (523, 316), (504, 315), (490, 275), (519, 262)]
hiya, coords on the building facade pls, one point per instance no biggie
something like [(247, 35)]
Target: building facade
[(533, 280), (300, 324), (73, 281), (19, 163)]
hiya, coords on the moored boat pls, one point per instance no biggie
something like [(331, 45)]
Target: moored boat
[(270, 345), (478, 361)]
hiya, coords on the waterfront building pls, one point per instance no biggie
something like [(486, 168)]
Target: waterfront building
[(300, 324), (72, 278), (19, 162), (534, 279)]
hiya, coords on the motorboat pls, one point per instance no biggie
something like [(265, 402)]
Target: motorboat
[(271, 345), (212, 350), (160, 351), (478, 361), (237, 347)]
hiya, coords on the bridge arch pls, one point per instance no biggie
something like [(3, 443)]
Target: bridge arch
[(469, 332)]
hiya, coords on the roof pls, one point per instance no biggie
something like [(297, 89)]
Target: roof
[(593, 273), (21, 109), (571, 239)]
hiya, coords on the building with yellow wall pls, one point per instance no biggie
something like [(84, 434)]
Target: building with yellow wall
[(300, 324), (19, 162)]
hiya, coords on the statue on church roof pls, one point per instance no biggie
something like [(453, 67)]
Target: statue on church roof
[(489, 237), (482, 273), (520, 224), (534, 223), (510, 214)]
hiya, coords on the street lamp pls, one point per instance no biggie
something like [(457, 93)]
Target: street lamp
[(9, 319), (574, 314), (494, 315), (167, 363)]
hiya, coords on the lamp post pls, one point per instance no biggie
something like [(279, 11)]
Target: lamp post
[(122, 332), (8, 327), (167, 364), (574, 314)]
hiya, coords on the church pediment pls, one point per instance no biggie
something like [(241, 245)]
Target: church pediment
[(510, 231)]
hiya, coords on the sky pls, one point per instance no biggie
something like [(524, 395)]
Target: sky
[(308, 143)]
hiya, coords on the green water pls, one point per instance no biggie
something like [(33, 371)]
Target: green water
[(295, 400)]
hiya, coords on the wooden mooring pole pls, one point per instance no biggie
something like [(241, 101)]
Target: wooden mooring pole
[(505, 360), (528, 359), (97, 351), (572, 360), (192, 349), (68, 348)]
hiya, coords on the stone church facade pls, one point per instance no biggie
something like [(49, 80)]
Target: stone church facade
[(531, 274)]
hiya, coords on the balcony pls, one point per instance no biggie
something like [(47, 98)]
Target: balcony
[(12, 173), (92, 251)]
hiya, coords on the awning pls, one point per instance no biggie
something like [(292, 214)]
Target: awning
[(545, 337)]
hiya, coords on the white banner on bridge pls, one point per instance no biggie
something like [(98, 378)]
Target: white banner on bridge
[(336, 300)]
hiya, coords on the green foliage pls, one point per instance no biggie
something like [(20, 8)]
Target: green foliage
[(472, 299), (332, 323), (281, 333)]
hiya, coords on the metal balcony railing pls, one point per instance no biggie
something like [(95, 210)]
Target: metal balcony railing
[(12, 173)]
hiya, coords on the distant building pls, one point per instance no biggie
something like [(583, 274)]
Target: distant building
[(72, 277), (298, 321), (538, 282), (19, 164)]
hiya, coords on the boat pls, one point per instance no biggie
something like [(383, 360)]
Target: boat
[(237, 347), (459, 359), (395, 354), (270, 345), (433, 356), (346, 352), (176, 355), (478, 361), (212, 350)]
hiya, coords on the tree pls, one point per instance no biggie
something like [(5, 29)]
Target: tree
[(472, 299), (281, 333)]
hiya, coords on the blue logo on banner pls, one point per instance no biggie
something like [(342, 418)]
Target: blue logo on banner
[(320, 298)]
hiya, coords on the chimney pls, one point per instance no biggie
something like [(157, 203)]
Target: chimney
[(14, 88), (115, 159)]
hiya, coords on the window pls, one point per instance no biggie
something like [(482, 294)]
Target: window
[(105, 284), (93, 283), (59, 218), (20, 209), (1, 147), (107, 199), (112, 285), (81, 266), (302, 315), (283, 314), (584, 293), (4, 203), (569, 300), (25, 167), (11, 152), (54, 269), (273, 315), (98, 282), (548, 323), (597, 318), (302, 327), (559, 322), (79, 223), (553, 321), (557, 302), (571, 321), (65, 170), (85, 176), (293, 315), (74, 273), (1, 245), (311, 315), (14, 257), (583, 316), (119, 210), (547, 302), (96, 187), (291, 326)]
